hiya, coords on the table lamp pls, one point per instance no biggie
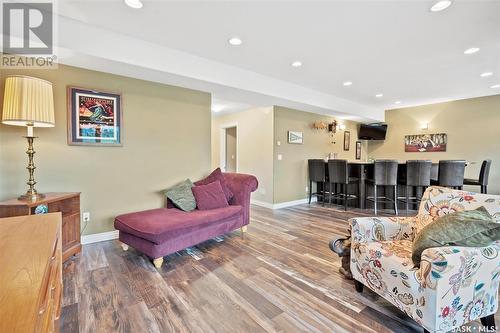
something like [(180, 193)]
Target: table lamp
[(28, 101)]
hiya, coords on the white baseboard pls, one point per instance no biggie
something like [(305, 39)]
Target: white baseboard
[(101, 237), (282, 204), (261, 203)]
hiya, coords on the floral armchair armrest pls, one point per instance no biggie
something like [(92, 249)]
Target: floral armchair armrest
[(460, 284), (373, 229)]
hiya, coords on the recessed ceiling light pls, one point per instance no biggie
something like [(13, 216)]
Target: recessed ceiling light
[(296, 64), (486, 74), (495, 86), (379, 95), (471, 50), (347, 83), (217, 108), (136, 4), (440, 5), (397, 102), (235, 41)]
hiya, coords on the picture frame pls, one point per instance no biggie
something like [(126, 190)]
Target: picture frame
[(295, 137), (420, 143), (358, 150), (94, 117), (347, 140)]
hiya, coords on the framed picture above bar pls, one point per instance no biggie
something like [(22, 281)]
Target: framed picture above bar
[(295, 137), (358, 150), (94, 117), (347, 140), (425, 142)]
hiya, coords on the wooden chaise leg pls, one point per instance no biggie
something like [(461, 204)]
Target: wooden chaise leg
[(489, 323), (124, 246), (158, 262), (244, 229), (359, 286)]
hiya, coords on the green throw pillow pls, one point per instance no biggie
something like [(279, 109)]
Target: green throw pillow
[(473, 228), (181, 196)]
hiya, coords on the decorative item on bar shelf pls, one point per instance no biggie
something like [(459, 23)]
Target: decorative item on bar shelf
[(94, 118), (347, 140), (28, 101), (425, 142), (358, 150), (295, 137)]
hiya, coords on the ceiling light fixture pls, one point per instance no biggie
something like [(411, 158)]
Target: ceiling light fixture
[(440, 5), (136, 4), (472, 50), (379, 95), (296, 64), (486, 74), (217, 108), (397, 102), (235, 41), (495, 86), (347, 83)]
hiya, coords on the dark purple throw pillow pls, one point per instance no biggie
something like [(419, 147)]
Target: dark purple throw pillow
[(217, 175), (210, 196)]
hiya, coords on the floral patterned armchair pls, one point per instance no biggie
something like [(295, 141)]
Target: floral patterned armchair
[(453, 286)]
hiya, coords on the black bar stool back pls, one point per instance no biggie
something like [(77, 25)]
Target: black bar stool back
[(317, 175), (418, 175), (338, 173), (451, 173), (484, 174), (385, 173)]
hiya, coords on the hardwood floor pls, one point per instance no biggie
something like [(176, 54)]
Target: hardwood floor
[(279, 277)]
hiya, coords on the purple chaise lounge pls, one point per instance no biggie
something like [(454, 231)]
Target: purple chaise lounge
[(162, 231)]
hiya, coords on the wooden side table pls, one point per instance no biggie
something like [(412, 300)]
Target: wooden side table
[(66, 203)]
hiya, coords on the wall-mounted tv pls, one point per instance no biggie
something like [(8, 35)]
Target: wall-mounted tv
[(372, 132)]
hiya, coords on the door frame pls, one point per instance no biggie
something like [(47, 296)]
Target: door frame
[(222, 157)]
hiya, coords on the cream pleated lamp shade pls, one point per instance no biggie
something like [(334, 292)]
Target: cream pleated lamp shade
[(28, 101)]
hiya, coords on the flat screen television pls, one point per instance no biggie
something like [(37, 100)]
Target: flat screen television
[(372, 132)]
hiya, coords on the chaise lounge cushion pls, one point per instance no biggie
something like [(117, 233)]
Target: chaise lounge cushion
[(214, 176), (160, 225)]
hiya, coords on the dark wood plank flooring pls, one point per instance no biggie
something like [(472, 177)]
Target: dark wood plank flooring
[(279, 277)]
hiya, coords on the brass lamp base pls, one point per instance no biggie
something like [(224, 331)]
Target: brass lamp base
[(31, 194), (31, 197)]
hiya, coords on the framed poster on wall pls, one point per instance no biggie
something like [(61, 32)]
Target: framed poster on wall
[(425, 142), (347, 140), (94, 117), (358, 150)]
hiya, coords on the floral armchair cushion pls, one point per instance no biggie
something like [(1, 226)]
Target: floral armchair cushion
[(454, 285)]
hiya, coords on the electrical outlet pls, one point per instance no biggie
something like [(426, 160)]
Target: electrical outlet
[(307, 189), (280, 157), (86, 216), (262, 191)]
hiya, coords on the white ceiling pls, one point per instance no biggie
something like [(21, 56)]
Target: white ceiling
[(398, 48)]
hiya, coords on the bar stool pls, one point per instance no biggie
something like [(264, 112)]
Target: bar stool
[(385, 173), (317, 175), (418, 175), (451, 173), (338, 173), (484, 174)]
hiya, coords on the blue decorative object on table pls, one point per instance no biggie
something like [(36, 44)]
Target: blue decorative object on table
[(41, 209)]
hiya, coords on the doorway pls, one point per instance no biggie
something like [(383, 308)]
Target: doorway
[(229, 148)]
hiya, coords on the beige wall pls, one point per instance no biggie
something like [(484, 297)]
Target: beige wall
[(290, 174), (255, 146), (166, 139), (231, 149), (472, 126)]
